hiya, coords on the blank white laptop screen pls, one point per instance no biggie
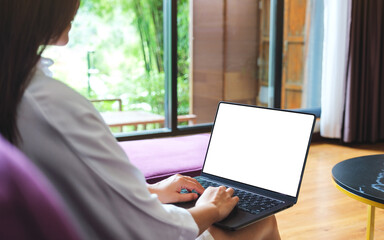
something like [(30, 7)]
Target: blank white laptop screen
[(260, 147)]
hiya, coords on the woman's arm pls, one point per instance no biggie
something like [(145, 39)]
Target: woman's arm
[(213, 205)]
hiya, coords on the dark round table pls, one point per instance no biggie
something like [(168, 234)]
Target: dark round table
[(362, 178)]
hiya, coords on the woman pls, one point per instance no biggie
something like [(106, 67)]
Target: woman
[(67, 139)]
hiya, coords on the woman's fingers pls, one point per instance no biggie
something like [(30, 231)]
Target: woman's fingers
[(231, 191), (190, 184), (186, 197)]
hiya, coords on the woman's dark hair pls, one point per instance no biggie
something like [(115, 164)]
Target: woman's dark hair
[(26, 27)]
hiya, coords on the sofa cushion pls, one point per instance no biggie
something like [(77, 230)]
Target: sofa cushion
[(30, 208), (162, 157)]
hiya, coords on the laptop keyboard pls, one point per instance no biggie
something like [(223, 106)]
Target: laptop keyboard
[(249, 202)]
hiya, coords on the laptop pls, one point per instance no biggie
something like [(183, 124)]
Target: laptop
[(259, 152)]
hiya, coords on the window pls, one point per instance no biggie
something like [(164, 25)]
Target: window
[(164, 66), (237, 54), (115, 59)]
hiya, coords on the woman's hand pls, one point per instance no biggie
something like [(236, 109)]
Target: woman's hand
[(213, 205), (168, 190), (221, 198)]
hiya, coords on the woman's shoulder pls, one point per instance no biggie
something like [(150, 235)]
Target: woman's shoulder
[(55, 102), (43, 84), (47, 90)]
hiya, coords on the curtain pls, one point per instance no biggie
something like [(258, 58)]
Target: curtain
[(313, 54), (364, 108), (337, 16)]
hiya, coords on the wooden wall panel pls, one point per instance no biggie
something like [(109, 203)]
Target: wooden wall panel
[(293, 53), (263, 58), (295, 63), (296, 17), (225, 48), (240, 88), (241, 41), (265, 7), (292, 98), (207, 58)]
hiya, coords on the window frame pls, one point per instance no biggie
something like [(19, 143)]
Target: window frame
[(171, 127)]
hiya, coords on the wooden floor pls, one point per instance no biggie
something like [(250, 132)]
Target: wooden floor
[(323, 212)]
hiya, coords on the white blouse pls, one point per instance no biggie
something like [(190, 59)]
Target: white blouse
[(106, 195)]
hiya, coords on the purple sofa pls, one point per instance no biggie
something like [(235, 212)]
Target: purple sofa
[(162, 157), (29, 206)]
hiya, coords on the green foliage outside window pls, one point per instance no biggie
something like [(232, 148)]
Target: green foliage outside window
[(124, 38)]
